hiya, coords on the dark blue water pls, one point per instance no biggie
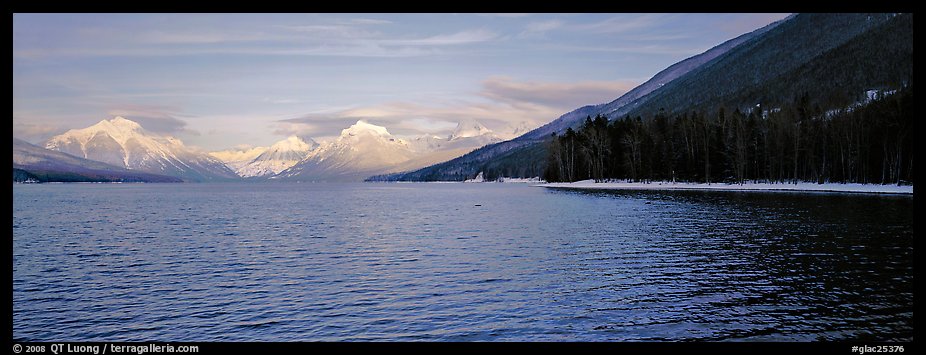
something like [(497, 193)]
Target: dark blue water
[(290, 262)]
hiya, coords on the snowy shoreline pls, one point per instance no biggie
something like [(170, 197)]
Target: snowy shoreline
[(799, 187)]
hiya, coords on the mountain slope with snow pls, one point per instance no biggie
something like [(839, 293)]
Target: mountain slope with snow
[(469, 128), (637, 95), (237, 158), (832, 57), (772, 68), (524, 147), (363, 150), (124, 143), (280, 156), (37, 163)]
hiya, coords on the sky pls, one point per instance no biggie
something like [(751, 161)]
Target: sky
[(218, 81)]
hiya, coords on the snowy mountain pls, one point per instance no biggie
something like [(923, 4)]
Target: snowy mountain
[(238, 157), (280, 156), (426, 143), (124, 143), (520, 129), (469, 128), (365, 149), (31, 162), (468, 135)]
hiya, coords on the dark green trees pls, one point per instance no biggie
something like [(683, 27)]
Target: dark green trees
[(866, 142)]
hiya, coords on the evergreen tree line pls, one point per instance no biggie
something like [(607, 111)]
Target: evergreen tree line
[(798, 141)]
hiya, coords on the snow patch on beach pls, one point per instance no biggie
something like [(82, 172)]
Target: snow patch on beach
[(803, 186)]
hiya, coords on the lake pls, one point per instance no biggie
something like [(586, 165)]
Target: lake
[(456, 262)]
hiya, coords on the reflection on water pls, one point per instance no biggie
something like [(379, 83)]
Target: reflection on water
[(287, 262)]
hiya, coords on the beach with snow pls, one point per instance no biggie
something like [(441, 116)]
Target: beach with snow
[(783, 187)]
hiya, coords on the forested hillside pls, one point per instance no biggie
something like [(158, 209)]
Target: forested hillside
[(868, 143), (820, 97)]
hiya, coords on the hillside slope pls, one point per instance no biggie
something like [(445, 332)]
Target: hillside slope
[(31, 162), (833, 58)]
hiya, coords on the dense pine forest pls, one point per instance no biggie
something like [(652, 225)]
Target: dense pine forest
[(868, 142)]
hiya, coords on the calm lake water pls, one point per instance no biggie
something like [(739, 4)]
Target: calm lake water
[(506, 262)]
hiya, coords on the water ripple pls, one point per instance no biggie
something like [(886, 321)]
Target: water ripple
[(360, 262)]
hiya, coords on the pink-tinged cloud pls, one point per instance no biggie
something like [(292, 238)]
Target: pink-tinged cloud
[(35, 132), (154, 118), (506, 103), (563, 96)]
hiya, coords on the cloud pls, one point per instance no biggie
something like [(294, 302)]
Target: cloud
[(543, 26), (625, 33), (243, 147), (407, 118), (501, 103), (426, 125), (367, 21), (748, 22), (281, 101), (312, 125), (462, 37), (342, 49), (196, 37), (682, 50), (621, 24), (401, 117), (35, 132), (632, 27), (506, 15), (558, 95), (160, 119), (351, 38), (329, 32)]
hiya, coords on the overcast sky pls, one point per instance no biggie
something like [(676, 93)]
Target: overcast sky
[(222, 80)]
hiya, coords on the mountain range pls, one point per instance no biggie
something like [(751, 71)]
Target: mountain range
[(120, 149)]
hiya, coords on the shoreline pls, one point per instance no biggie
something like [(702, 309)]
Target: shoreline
[(771, 187)]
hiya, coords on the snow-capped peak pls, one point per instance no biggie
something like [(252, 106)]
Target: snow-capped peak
[(240, 156), (294, 143), (123, 142), (119, 128), (123, 122), (468, 128), (362, 127), (521, 128), (278, 157)]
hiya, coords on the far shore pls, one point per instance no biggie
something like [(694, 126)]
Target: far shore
[(783, 187)]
